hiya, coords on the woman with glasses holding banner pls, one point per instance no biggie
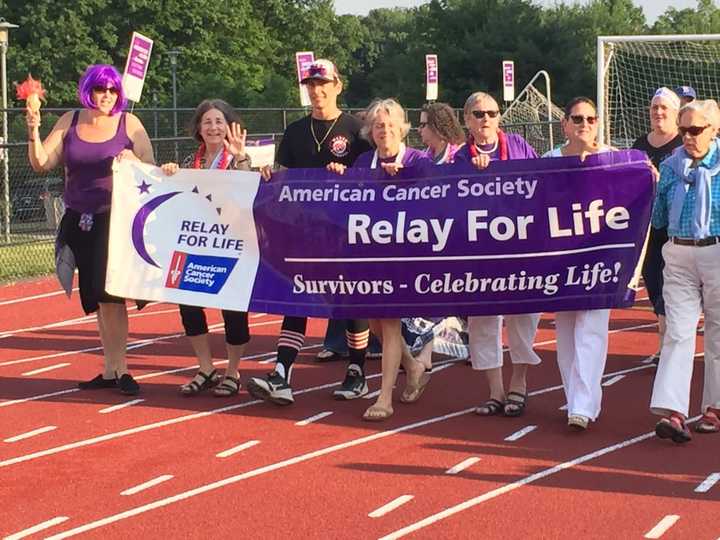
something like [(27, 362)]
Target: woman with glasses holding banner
[(86, 142), (386, 128), (487, 142), (218, 129), (582, 336), (686, 203)]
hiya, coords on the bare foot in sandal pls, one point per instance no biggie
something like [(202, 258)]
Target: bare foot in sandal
[(377, 413), (228, 387), (201, 381)]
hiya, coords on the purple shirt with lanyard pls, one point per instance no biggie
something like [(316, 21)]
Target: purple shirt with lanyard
[(518, 148), (409, 157)]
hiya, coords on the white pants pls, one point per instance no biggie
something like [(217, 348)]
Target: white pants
[(582, 343), (692, 276), (485, 334)]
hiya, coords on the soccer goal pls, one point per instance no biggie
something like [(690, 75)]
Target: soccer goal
[(534, 116), (631, 68)]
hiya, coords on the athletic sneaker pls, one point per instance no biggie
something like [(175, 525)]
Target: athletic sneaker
[(97, 383), (272, 387), (354, 385), (128, 386)]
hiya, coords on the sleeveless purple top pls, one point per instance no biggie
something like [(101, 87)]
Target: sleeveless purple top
[(88, 168)]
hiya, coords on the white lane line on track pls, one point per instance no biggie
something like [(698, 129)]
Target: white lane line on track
[(465, 464), (131, 345), (563, 408), (34, 297), (662, 527), (37, 528), (314, 418), (269, 360), (87, 319), (253, 473), (120, 406), (43, 370), (257, 315), (520, 434), (29, 434), (507, 488), (372, 395), (709, 482), (147, 485), (612, 381), (392, 505), (180, 419), (234, 450)]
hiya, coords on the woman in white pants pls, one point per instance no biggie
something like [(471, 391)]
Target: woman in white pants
[(686, 204), (487, 142), (582, 336)]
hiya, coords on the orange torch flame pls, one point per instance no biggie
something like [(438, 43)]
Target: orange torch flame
[(31, 91)]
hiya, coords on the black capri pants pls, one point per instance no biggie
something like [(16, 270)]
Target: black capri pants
[(237, 331)]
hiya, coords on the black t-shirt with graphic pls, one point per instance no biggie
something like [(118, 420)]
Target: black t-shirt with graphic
[(298, 148), (657, 154)]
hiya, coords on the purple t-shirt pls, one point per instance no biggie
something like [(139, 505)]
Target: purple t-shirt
[(412, 158), (518, 148)]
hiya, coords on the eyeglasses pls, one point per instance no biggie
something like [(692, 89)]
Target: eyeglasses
[(578, 119), (481, 114), (422, 125), (102, 90), (693, 131)]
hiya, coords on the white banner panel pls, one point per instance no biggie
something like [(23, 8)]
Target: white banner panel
[(189, 238)]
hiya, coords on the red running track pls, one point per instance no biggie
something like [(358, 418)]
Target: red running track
[(156, 468)]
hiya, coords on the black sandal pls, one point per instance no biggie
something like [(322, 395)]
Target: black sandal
[(491, 407), (516, 406), (200, 382), (228, 387)]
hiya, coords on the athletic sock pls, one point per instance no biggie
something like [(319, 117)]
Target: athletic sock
[(357, 343)]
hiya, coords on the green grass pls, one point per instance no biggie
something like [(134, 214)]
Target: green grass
[(21, 261)]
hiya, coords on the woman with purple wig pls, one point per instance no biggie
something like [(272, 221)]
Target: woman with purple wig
[(86, 142)]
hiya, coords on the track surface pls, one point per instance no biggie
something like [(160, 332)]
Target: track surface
[(71, 464)]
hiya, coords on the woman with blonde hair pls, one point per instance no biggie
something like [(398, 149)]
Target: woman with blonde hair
[(386, 128)]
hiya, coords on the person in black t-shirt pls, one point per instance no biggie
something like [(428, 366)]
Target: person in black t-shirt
[(658, 145), (326, 136)]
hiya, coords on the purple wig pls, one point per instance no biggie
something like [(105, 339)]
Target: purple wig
[(101, 75)]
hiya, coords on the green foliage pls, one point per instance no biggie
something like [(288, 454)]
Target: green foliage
[(243, 50)]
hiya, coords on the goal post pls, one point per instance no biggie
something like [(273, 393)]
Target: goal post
[(631, 68)]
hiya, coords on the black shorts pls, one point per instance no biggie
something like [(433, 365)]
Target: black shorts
[(90, 249), (237, 331)]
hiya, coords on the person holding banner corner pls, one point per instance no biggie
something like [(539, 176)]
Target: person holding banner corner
[(86, 142), (487, 142), (326, 136), (218, 129)]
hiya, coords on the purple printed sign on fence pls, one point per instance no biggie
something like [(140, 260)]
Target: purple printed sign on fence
[(432, 77), (303, 60), (519, 237)]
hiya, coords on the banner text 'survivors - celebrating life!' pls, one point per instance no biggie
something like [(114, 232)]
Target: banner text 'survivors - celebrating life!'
[(519, 237)]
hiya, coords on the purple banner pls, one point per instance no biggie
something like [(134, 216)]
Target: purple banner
[(519, 237)]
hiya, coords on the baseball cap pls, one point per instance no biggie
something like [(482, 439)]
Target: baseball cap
[(668, 95), (686, 92), (321, 70)]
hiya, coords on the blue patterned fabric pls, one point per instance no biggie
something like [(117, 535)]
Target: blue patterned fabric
[(685, 222)]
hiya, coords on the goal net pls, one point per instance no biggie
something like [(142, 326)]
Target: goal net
[(534, 116), (631, 68)]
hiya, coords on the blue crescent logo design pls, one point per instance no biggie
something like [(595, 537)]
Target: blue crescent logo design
[(138, 225)]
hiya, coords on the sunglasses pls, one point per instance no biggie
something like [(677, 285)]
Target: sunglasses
[(693, 131), (481, 114), (578, 119), (102, 90)]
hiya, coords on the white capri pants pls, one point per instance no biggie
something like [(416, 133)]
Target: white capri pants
[(692, 275), (582, 343), (485, 334)]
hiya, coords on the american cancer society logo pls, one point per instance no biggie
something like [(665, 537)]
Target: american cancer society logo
[(200, 273), (191, 271)]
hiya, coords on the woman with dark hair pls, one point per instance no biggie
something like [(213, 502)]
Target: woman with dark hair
[(440, 130), (218, 129), (582, 336), (487, 143), (86, 142)]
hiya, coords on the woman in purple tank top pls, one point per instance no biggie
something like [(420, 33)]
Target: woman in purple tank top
[(86, 142)]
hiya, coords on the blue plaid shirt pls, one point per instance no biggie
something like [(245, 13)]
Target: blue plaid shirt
[(669, 182)]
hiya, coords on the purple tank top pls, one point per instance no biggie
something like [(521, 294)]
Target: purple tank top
[(88, 168)]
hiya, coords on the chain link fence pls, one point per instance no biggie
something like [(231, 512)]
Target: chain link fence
[(31, 204)]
